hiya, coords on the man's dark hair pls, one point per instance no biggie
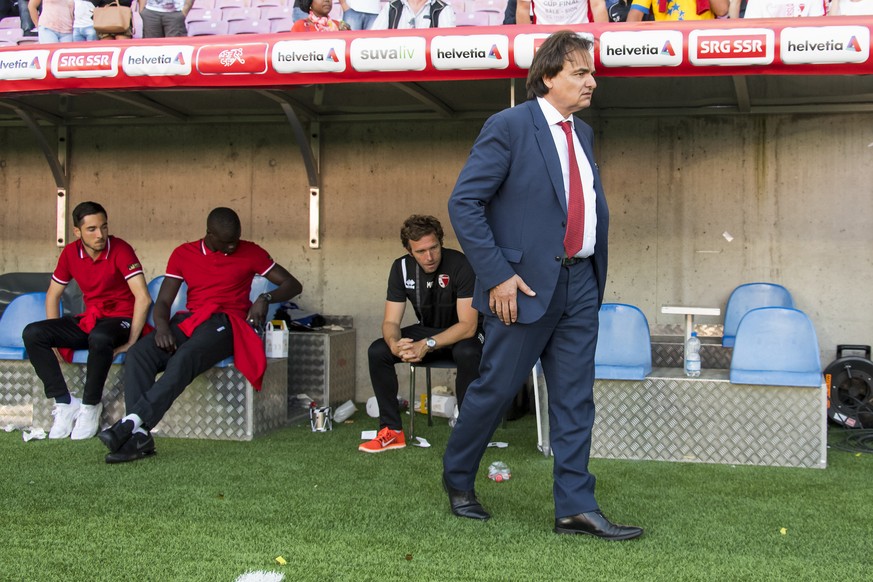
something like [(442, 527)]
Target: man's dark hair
[(84, 209), (549, 59), (420, 225), (223, 221)]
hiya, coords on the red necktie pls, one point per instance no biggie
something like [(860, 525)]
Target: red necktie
[(576, 201)]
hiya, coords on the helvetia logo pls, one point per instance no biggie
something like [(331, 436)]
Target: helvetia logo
[(35, 64), (312, 56), (829, 45), (179, 60), (667, 49), (494, 53)]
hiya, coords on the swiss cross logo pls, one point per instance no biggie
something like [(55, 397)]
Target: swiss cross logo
[(232, 59), (230, 56)]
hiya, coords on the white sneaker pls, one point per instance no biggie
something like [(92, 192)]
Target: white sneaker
[(87, 422), (64, 415)]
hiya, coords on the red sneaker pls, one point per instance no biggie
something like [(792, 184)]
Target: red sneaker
[(385, 440)]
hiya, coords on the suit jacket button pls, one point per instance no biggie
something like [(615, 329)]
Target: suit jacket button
[(563, 224), (557, 258)]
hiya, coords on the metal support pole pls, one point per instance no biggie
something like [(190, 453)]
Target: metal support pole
[(57, 161), (309, 149), (61, 211)]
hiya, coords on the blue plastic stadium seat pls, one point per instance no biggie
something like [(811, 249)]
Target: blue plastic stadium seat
[(624, 346), (22, 310), (747, 297), (81, 357), (179, 303), (776, 346)]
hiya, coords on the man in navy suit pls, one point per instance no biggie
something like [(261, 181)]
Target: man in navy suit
[(540, 277)]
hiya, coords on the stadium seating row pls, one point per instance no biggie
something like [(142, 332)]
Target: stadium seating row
[(214, 17), (774, 343)]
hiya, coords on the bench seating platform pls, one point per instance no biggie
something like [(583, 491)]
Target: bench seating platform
[(670, 417), (219, 404)]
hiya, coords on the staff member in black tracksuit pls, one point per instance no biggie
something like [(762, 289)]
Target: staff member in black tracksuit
[(439, 284)]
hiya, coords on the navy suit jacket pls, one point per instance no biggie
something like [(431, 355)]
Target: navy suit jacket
[(509, 210)]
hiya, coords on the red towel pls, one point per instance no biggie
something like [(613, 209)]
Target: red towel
[(248, 350), (702, 6)]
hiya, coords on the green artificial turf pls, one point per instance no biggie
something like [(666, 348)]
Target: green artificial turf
[(211, 510)]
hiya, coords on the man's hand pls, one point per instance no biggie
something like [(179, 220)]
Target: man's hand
[(410, 351), (258, 311), (122, 349), (164, 339), (502, 299)]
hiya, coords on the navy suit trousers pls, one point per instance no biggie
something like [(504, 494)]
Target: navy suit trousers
[(564, 339)]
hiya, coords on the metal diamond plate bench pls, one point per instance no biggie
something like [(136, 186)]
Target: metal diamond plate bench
[(668, 417), (20, 388), (219, 404)]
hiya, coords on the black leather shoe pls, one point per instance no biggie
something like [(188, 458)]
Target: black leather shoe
[(116, 435), (138, 446), (595, 523), (464, 503)]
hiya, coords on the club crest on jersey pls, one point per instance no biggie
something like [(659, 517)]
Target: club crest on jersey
[(410, 283), (443, 280), (133, 266)]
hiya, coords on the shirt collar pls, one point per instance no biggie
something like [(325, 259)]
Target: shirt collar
[(102, 256), (553, 117)]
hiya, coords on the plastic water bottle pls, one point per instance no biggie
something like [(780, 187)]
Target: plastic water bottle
[(692, 356), (499, 472)]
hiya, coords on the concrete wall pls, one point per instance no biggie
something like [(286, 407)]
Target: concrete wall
[(792, 192)]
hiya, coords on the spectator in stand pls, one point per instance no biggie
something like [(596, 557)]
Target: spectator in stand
[(18, 8), (83, 21), (297, 13), (108, 36), (737, 9), (850, 7), (318, 19), (785, 8), (55, 22), (360, 14), (560, 11), (509, 13), (164, 18), (619, 9), (415, 14), (678, 9)]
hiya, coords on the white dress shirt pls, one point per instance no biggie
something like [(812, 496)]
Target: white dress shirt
[(553, 118), (411, 19)]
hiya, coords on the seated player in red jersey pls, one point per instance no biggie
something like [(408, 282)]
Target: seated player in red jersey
[(116, 306), (218, 269)]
